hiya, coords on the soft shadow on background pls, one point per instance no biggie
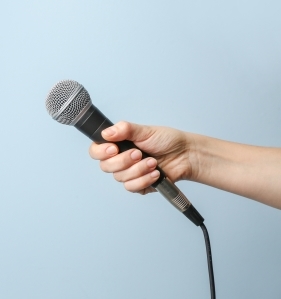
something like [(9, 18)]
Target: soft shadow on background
[(67, 230)]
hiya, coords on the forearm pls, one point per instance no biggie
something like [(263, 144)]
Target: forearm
[(249, 171)]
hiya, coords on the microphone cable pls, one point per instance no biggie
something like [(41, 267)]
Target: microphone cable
[(209, 261)]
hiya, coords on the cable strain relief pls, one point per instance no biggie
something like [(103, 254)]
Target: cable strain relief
[(193, 215)]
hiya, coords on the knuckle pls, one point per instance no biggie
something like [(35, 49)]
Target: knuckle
[(141, 168), (144, 182), (96, 151), (92, 151), (139, 185), (103, 166), (122, 164), (117, 176), (138, 170), (128, 187), (124, 125)]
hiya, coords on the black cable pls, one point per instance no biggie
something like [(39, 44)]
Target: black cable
[(209, 261)]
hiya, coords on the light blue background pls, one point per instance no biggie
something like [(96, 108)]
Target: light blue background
[(67, 230)]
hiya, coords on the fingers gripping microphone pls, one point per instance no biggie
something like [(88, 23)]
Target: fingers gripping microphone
[(69, 103)]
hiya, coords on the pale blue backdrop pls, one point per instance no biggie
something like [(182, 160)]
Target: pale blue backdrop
[(69, 231)]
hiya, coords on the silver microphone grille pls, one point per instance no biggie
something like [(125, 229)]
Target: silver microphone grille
[(66, 100)]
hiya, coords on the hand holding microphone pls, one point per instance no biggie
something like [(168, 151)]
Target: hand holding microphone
[(69, 103), (169, 148)]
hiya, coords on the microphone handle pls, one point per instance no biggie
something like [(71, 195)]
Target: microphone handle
[(93, 122)]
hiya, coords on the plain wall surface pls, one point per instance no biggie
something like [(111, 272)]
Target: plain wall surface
[(68, 230)]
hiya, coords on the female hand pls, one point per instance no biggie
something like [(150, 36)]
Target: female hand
[(169, 148)]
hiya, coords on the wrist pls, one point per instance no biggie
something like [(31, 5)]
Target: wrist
[(191, 151), (199, 157)]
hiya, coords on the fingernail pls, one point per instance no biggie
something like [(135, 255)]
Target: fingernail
[(109, 131), (155, 173), (151, 163), (111, 150), (136, 155)]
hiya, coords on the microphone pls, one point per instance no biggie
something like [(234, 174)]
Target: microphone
[(68, 102)]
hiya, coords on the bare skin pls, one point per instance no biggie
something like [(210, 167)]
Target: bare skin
[(249, 171)]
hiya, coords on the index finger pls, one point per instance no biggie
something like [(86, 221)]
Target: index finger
[(103, 151)]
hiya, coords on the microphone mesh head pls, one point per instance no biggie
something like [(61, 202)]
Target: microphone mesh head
[(60, 94)]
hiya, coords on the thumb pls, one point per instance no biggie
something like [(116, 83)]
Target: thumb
[(127, 131)]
